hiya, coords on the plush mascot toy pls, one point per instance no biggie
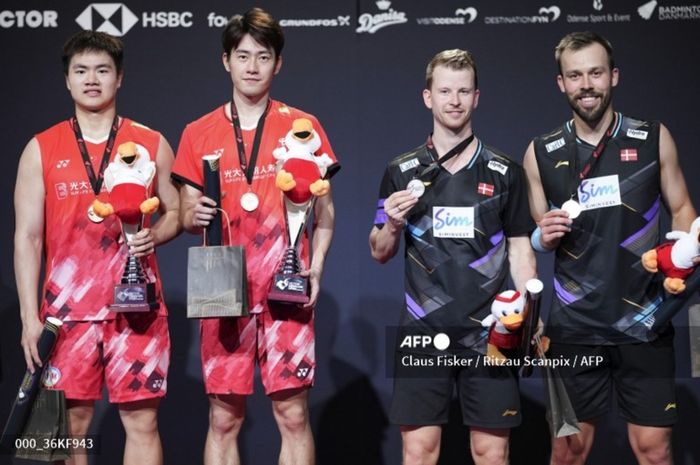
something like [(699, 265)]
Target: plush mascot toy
[(127, 180), (504, 324), (301, 170), (675, 259)]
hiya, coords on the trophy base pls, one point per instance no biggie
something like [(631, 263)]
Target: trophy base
[(289, 289), (134, 298)]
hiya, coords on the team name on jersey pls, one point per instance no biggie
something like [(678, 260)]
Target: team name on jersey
[(557, 144), (407, 165), (497, 166), (453, 222), (637, 134)]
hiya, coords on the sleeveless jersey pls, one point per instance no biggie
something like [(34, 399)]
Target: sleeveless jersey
[(602, 294), (456, 258), (84, 260), (262, 231)]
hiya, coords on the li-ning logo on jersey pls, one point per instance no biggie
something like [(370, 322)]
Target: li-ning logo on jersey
[(557, 144), (113, 18), (373, 22), (637, 134), (407, 165)]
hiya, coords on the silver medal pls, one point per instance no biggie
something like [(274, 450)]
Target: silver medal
[(92, 216), (249, 201), (572, 207), (416, 188)]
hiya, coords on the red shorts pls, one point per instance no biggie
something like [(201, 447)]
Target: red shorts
[(129, 354), (282, 342)]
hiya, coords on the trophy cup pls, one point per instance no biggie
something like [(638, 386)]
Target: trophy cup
[(302, 176), (127, 180)]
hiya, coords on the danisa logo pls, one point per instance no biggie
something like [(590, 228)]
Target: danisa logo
[(546, 14), (117, 19), (461, 16), (373, 22), (453, 222)]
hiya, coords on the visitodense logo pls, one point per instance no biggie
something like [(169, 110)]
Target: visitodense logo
[(113, 18), (373, 22)]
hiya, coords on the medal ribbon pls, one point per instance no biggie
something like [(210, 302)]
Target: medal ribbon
[(593, 159), (432, 169), (249, 170), (95, 180)]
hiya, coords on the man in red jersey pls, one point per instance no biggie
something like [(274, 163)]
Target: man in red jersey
[(281, 341), (60, 174)]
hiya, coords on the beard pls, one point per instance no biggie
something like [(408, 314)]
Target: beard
[(591, 116)]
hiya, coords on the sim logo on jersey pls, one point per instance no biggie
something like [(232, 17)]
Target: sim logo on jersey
[(112, 18)]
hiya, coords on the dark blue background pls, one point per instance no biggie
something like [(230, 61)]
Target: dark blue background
[(366, 90)]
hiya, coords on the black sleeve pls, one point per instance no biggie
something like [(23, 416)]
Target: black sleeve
[(517, 220), (386, 188)]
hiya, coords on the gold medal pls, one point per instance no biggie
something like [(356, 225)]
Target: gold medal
[(92, 216)]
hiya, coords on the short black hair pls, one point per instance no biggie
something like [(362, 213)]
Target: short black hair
[(93, 41), (261, 26)]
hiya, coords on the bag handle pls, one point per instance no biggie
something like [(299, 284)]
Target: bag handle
[(228, 223)]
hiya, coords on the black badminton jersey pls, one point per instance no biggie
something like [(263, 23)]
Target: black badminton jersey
[(456, 257), (602, 294)]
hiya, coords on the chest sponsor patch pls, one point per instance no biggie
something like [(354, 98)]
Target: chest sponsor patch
[(407, 165), (497, 166), (637, 134), (557, 144), (453, 222), (628, 155), (599, 192)]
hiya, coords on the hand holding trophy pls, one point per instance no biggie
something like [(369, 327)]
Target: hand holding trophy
[(127, 180), (301, 175)]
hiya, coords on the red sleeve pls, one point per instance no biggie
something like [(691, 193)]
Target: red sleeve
[(188, 164)]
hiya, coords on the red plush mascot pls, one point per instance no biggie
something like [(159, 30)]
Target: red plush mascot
[(675, 259)]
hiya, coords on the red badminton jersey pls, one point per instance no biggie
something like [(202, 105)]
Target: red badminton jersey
[(262, 231), (84, 259)]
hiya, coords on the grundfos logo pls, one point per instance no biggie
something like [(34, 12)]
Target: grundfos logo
[(373, 22), (461, 16), (117, 19)]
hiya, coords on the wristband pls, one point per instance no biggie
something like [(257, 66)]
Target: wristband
[(536, 243)]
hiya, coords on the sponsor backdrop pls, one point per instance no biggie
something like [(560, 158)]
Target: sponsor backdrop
[(359, 66)]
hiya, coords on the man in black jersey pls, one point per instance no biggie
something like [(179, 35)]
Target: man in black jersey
[(462, 208), (596, 187)]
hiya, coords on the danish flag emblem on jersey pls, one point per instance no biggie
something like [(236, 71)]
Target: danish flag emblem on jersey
[(628, 155), (485, 189)]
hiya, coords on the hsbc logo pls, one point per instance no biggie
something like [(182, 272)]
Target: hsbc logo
[(117, 19), (112, 18)]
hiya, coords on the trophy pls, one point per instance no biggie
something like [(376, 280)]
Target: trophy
[(302, 177), (127, 180)]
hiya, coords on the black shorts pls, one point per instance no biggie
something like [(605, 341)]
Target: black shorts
[(489, 396), (643, 376)]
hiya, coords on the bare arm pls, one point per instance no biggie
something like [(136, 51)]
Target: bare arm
[(168, 224), (29, 241), (196, 210), (673, 187), (523, 266), (384, 242), (324, 223), (553, 223)]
